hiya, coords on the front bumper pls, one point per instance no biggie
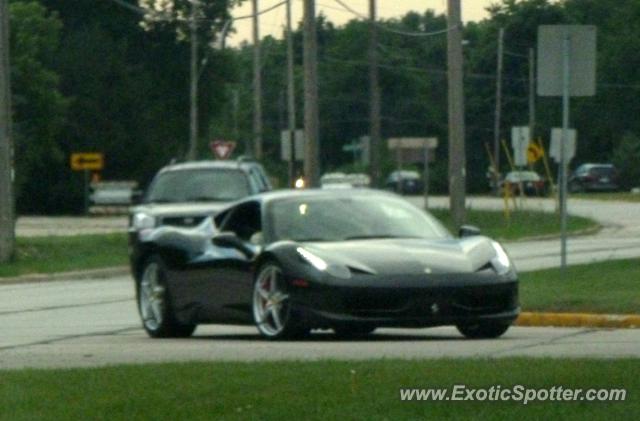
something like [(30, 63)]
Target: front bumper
[(465, 299)]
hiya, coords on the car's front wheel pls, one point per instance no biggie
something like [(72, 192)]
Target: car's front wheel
[(271, 305), (154, 305), (483, 329)]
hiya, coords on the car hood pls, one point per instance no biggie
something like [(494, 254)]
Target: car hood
[(407, 256), (180, 209)]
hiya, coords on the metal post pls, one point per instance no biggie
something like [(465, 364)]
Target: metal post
[(532, 95), (257, 85), (426, 177), (457, 160), (193, 90), (86, 192), (7, 215), (374, 87), (498, 114), (566, 89), (311, 117), (291, 95)]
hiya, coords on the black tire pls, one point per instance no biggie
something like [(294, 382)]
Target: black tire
[(353, 331), (483, 330), (154, 304), (272, 313)]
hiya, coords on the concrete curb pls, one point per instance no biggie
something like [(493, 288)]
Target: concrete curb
[(68, 276), (613, 321)]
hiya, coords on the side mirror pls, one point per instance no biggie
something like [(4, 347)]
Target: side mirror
[(468, 231), (228, 239)]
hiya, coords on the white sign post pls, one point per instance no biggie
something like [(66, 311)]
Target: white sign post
[(570, 51), (285, 145), (520, 143), (555, 150)]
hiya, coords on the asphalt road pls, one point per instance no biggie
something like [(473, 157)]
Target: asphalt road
[(95, 323)]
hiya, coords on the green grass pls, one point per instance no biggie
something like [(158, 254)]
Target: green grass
[(619, 196), (60, 254), (522, 224), (606, 287), (324, 390)]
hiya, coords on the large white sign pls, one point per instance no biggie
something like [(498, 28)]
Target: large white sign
[(556, 142)]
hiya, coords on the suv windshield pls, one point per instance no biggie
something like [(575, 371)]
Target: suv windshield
[(198, 185), (344, 218)]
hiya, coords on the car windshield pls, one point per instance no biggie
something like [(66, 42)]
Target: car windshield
[(198, 185), (351, 218)]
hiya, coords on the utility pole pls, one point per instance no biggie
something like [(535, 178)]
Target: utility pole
[(257, 85), (7, 217), (532, 95), (311, 118), (374, 88), (498, 114), (193, 91), (457, 160), (291, 98)]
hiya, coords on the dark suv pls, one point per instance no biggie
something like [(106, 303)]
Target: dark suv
[(594, 177), (185, 194)]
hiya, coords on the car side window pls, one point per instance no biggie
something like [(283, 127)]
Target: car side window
[(259, 180), (243, 220)]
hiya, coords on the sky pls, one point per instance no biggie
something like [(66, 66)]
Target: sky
[(273, 22)]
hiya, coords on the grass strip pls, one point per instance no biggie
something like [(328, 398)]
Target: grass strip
[(321, 390), (60, 254), (604, 287), (521, 224)]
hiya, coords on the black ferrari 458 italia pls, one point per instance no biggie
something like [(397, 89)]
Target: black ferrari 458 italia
[(349, 260)]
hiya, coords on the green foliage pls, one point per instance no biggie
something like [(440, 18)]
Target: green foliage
[(626, 157), (39, 107)]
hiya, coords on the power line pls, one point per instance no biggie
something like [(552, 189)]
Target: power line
[(396, 31)]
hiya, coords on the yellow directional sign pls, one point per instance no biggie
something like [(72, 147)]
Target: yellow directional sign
[(534, 153), (87, 161)]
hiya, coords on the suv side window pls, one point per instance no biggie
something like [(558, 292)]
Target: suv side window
[(260, 180)]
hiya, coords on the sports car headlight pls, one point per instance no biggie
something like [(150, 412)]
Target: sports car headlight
[(142, 221), (315, 261), (501, 261)]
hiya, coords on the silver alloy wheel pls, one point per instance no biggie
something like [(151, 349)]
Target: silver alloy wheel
[(270, 303), (151, 297)]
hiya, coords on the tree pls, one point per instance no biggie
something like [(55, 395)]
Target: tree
[(39, 107), (626, 156)]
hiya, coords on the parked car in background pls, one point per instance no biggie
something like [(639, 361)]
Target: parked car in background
[(342, 180), (185, 194), (405, 182), (532, 183), (594, 177)]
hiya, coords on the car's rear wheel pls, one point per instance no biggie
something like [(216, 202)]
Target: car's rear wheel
[(353, 331), (271, 305), (154, 305), (483, 329)]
